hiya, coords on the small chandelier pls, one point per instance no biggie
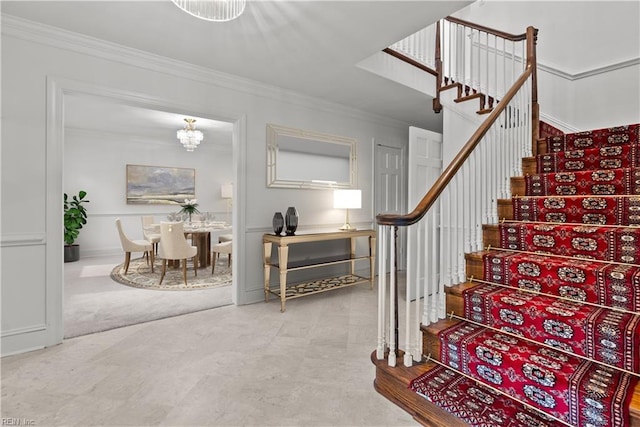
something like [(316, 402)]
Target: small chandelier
[(189, 136), (213, 10)]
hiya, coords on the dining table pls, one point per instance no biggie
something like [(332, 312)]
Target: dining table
[(202, 234)]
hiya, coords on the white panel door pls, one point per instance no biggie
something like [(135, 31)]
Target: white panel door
[(424, 167), (389, 187)]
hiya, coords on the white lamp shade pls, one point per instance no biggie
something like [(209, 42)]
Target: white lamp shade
[(226, 191), (347, 199)]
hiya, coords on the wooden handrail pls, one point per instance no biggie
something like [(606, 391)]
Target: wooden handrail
[(409, 60), (441, 183), (508, 36)]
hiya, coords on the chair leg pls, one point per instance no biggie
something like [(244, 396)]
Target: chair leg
[(127, 260), (153, 259), (229, 261), (164, 270), (214, 259), (195, 265), (184, 272)]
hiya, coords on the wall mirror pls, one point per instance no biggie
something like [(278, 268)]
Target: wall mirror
[(302, 159)]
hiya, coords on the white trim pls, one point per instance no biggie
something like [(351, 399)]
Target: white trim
[(589, 72), (23, 239), (97, 135), (25, 330), (57, 89), (63, 39), (564, 127)]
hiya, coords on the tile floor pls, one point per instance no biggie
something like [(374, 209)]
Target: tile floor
[(229, 366)]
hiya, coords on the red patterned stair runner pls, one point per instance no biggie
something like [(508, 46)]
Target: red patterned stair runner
[(623, 156), (615, 210), (594, 260), (612, 285), (477, 405), (619, 244), (578, 392), (598, 182), (606, 137), (600, 334)]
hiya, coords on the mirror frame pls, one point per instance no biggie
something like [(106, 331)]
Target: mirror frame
[(276, 131)]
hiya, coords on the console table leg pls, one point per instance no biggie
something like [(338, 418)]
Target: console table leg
[(266, 247), (283, 258)]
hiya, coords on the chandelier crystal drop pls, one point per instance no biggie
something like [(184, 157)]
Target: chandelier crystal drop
[(213, 10), (189, 136)]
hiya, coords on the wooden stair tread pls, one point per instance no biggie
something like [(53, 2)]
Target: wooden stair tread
[(529, 165), (393, 383)]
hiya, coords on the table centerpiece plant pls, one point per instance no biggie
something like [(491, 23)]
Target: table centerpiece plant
[(189, 207)]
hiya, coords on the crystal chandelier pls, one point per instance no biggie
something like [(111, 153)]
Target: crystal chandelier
[(189, 136), (213, 10)]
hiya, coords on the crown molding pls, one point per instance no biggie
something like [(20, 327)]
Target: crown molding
[(590, 72), (63, 39)]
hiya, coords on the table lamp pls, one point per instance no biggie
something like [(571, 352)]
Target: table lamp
[(347, 199), (226, 192)]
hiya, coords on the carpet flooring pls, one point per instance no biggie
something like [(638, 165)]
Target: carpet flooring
[(93, 302)]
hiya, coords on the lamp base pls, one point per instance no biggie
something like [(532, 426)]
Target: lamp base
[(347, 227)]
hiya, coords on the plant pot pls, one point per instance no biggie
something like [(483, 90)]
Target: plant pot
[(71, 253)]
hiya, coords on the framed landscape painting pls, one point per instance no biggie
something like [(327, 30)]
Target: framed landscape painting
[(153, 185)]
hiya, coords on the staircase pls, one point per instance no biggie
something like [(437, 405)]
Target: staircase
[(532, 319)]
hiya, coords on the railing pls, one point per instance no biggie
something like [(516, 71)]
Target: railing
[(447, 223), (479, 59)]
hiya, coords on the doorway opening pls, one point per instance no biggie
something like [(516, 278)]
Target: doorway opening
[(101, 135)]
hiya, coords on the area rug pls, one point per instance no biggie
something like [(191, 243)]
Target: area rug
[(140, 276)]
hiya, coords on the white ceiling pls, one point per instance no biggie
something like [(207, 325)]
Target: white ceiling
[(311, 47)]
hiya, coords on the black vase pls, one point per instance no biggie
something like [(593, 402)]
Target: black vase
[(291, 220), (278, 223)]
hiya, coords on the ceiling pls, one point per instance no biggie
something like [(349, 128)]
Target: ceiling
[(310, 47)]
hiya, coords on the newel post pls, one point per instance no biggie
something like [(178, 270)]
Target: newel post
[(437, 106)]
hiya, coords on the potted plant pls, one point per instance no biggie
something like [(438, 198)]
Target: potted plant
[(75, 217), (189, 207)]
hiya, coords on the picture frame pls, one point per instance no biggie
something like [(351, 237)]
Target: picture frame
[(160, 185)]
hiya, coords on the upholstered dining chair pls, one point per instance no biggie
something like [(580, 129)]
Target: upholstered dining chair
[(129, 246), (154, 238), (174, 246), (220, 248)]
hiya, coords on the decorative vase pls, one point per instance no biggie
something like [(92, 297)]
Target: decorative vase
[(291, 220), (278, 223)]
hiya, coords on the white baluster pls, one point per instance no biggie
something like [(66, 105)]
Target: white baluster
[(392, 297), (382, 289)]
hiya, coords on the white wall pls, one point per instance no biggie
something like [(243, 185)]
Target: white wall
[(40, 65), (105, 181)]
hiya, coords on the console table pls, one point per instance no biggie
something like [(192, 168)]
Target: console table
[(287, 291)]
